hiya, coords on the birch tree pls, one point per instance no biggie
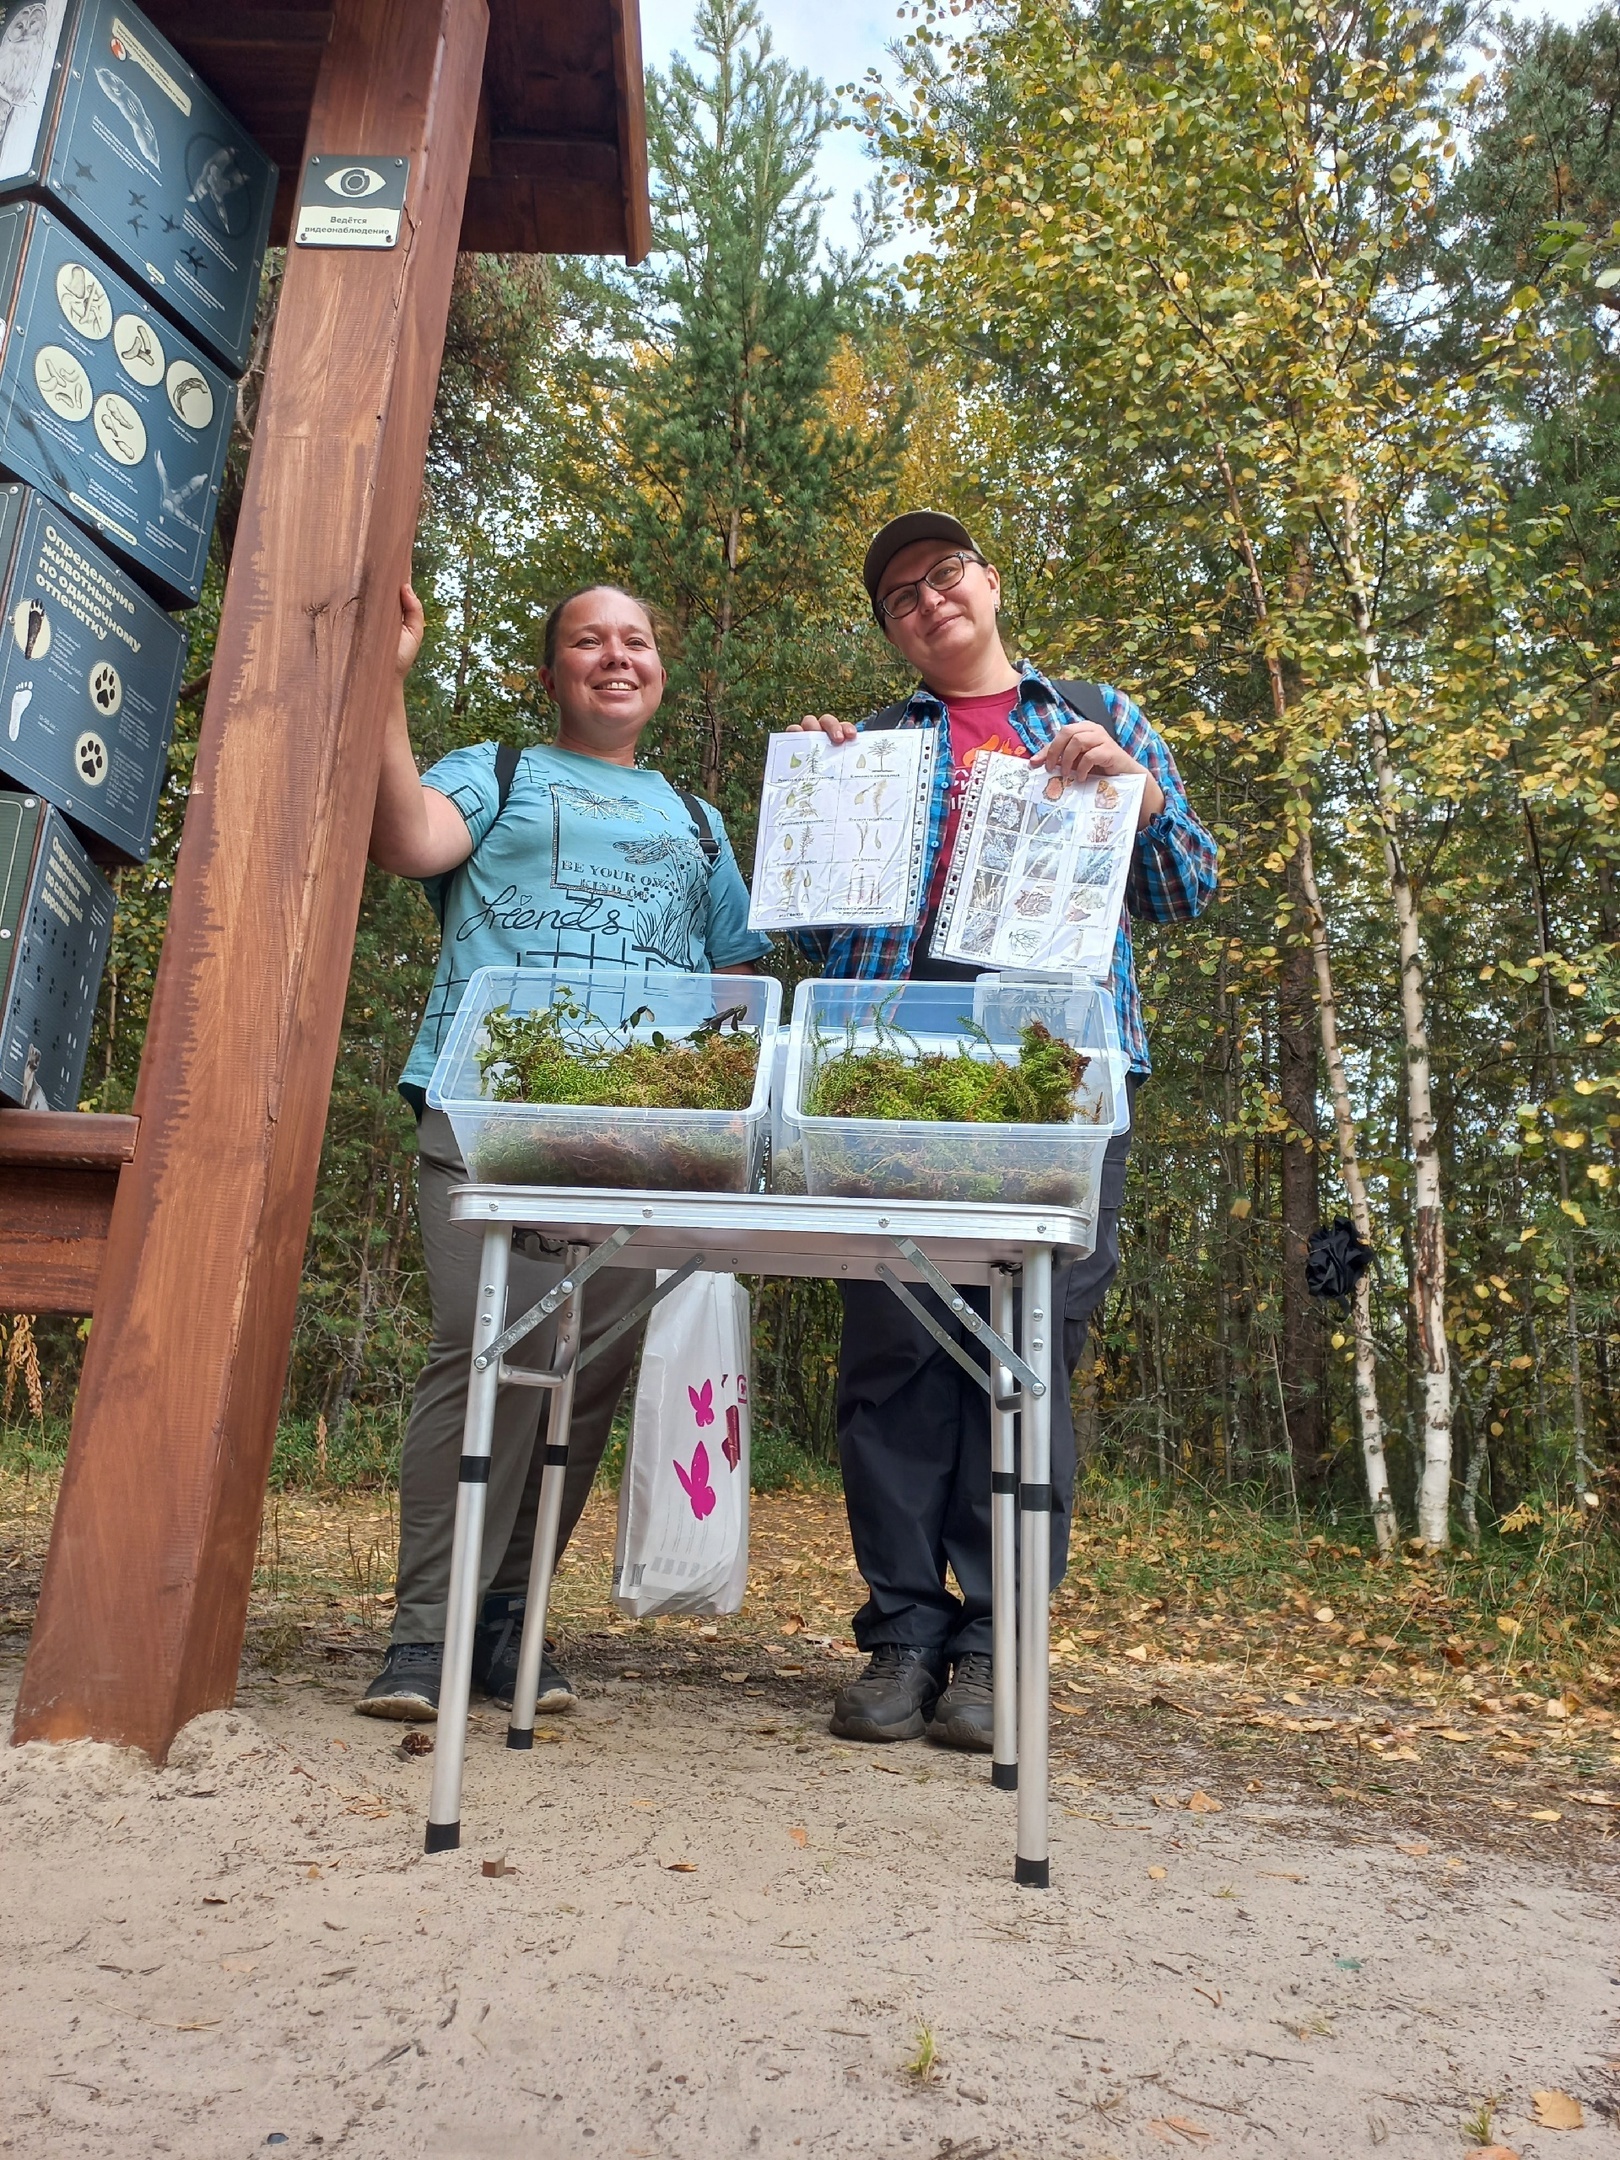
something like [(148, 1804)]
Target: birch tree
[(1195, 231)]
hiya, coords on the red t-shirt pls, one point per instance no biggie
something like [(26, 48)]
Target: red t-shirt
[(976, 723)]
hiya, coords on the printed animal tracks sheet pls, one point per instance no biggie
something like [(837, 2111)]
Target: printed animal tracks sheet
[(841, 829), (1036, 882)]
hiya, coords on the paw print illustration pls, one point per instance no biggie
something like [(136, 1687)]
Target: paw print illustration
[(106, 688), (90, 759)]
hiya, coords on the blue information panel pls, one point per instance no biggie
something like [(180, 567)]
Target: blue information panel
[(89, 672), (56, 913), (100, 114), (105, 407)]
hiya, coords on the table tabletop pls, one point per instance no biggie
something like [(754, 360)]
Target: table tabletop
[(781, 1233)]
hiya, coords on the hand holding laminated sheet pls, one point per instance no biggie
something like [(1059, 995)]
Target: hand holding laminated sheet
[(1037, 881), (841, 829)]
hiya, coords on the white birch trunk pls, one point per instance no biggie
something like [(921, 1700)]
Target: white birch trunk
[(1428, 1286), (1369, 1418)]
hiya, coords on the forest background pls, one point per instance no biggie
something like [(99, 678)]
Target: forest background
[(1270, 351)]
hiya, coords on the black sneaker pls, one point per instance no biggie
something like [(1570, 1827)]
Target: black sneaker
[(964, 1716), (408, 1685), (892, 1698), (495, 1659)]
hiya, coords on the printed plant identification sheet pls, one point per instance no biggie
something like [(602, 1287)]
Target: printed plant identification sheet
[(1037, 883), (841, 829)]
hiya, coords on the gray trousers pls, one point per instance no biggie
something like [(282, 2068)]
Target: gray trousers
[(431, 1457)]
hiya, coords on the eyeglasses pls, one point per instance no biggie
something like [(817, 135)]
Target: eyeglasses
[(905, 599)]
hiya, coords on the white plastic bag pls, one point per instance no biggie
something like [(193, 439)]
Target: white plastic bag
[(683, 1501)]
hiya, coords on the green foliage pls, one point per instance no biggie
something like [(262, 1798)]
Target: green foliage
[(953, 1086), (559, 1054)]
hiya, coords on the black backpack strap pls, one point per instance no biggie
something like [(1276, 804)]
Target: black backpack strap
[(698, 812), (506, 765), (890, 717), (1088, 701)]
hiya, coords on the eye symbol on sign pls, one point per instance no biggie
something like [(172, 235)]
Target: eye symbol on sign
[(355, 181), (106, 689)]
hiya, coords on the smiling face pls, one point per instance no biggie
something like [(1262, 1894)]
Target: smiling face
[(948, 637), (606, 677)]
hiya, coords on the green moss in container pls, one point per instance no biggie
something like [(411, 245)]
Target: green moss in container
[(561, 1055), (953, 1086)]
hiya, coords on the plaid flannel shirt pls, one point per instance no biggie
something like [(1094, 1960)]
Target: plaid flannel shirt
[(1171, 880)]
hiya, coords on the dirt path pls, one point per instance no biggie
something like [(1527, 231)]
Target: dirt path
[(723, 1932)]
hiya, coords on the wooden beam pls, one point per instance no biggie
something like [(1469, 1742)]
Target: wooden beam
[(63, 1140), (630, 83), (145, 1595)]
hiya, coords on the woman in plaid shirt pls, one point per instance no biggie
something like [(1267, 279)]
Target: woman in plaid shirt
[(913, 1430)]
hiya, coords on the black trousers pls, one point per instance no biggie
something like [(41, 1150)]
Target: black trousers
[(914, 1440)]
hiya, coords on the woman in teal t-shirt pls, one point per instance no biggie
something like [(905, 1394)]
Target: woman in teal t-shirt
[(589, 857)]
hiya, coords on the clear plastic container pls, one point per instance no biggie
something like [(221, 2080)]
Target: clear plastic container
[(509, 1143), (911, 1159), (786, 1174)]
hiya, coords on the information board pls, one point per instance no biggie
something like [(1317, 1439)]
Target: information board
[(106, 407), (89, 673), (101, 115), (56, 913)]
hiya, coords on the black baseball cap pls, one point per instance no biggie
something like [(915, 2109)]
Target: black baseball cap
[(899, 533)]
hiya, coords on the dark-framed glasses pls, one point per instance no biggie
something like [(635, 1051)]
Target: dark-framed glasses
[(946, 573)]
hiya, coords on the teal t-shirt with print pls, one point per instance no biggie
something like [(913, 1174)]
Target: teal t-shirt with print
[(589, 862)]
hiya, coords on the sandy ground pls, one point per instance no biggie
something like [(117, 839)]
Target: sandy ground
[(720, 1931)]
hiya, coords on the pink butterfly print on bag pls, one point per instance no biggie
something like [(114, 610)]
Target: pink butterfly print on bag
[(702, 1401), (695, 1482)]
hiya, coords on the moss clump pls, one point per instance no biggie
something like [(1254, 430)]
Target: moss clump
[(954, 1087), (560, 1056)]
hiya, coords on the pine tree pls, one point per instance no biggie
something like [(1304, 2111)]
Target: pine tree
[(738, 479)]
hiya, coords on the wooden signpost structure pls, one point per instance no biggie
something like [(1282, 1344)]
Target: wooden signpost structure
[(182, 1228)]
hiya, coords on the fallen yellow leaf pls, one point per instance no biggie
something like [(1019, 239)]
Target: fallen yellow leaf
[(1557, 2111), (799, 1834), (1203, 1803), (681, 1867), (1157, 1874), (1139, 1652), (1545, 1814)]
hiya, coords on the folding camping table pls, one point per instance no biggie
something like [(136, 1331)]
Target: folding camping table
[(944, 1246)]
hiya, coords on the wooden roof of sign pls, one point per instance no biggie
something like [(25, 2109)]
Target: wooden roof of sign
[(560, 157)]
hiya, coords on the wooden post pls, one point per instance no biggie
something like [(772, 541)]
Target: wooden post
[(145, 1594)]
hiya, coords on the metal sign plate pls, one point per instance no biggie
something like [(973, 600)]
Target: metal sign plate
[(104, 118), (89, 672), (56, 914), (106, 407), (351, 201)]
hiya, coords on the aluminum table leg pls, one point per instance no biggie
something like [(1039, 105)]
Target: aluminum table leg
[(1003, 1547), (466, 1552), (1032, 1866), (520, 1730)]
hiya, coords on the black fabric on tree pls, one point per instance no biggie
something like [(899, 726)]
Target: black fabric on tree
[(1335, 1260)]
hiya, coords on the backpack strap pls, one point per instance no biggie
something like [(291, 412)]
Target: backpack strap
[(890, 717), (1087, 700), (506, 765), (698, 812)]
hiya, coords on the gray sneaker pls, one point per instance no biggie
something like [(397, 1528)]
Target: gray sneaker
[(964, 1716), (892, 1698), (408, 1685), (495, 1659)]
